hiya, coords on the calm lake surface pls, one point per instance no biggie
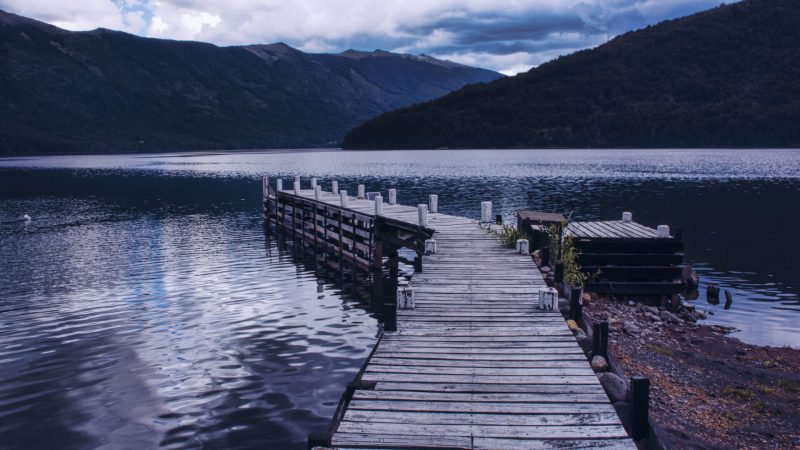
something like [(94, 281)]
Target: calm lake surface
[(144, 306)]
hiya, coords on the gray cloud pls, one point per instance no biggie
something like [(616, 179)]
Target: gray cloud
[(504, 35)]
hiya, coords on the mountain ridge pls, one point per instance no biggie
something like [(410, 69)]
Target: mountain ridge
[(725, 77), (106, 91)]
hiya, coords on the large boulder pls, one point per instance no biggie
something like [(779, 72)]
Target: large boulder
[(615, 387)]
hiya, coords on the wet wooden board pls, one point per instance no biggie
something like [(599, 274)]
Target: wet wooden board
[(476, 364)]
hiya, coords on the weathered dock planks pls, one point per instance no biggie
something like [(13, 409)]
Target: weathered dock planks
[(476, 364)]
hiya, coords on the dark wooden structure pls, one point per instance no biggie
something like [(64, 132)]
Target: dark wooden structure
[(355, 233), (627, 258)]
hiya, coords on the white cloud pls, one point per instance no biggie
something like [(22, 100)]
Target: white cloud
[(505, 35)]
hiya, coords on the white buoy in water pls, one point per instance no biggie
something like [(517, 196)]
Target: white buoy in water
[(26, 218)]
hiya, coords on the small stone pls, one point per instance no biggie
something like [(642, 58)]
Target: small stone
[(699, 314), (579, 334), (599, 364), (615, 387), (651, 309), (545, 269), (586, 299), (668, 317), (572, 325), (654, 318), (537, 253), (630, 327), (631, 303)]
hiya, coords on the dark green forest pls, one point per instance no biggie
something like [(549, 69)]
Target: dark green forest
[(104, 91), (727, 77)]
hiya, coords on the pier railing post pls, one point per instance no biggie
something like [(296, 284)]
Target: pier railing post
[(663, 231), (486, 212), (392, 196), (313, 183), (334, 187), (278, 185), (361, 191), (548, 299), (378, 205), (640, 404), (422, 212), (405, 296), (264, 187), (296, 188), (430, 246), (627, 216), (343, 198), (523, 247), (433, 203), (317, 192)]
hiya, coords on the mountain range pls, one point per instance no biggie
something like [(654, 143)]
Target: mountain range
[(105, 91), (726, 77)]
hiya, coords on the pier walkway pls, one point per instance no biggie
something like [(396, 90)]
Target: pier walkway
[(475, 364)]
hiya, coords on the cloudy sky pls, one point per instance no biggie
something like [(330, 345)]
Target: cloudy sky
[(506, 35)]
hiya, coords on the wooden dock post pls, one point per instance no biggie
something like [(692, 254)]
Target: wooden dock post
[(392, 196), (317, 192), (422, 213), (264, 187), (342, 201), (640, 404), (600, 339), (378, 205), (523, 247), (361, 191), (627, 216), (433, 203), (663, 231), (486, 212), (313, 182), (296, 188), (430, 246), (278, 185), (405, 295), (334, 187)]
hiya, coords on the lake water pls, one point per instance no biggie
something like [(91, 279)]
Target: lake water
[(144, 306)]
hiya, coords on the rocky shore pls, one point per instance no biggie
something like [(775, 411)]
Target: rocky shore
[(708, 390)]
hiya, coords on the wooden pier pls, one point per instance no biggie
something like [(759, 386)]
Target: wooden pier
[(475, 363)]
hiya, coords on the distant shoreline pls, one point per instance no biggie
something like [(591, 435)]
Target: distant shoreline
[(196, 153)]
